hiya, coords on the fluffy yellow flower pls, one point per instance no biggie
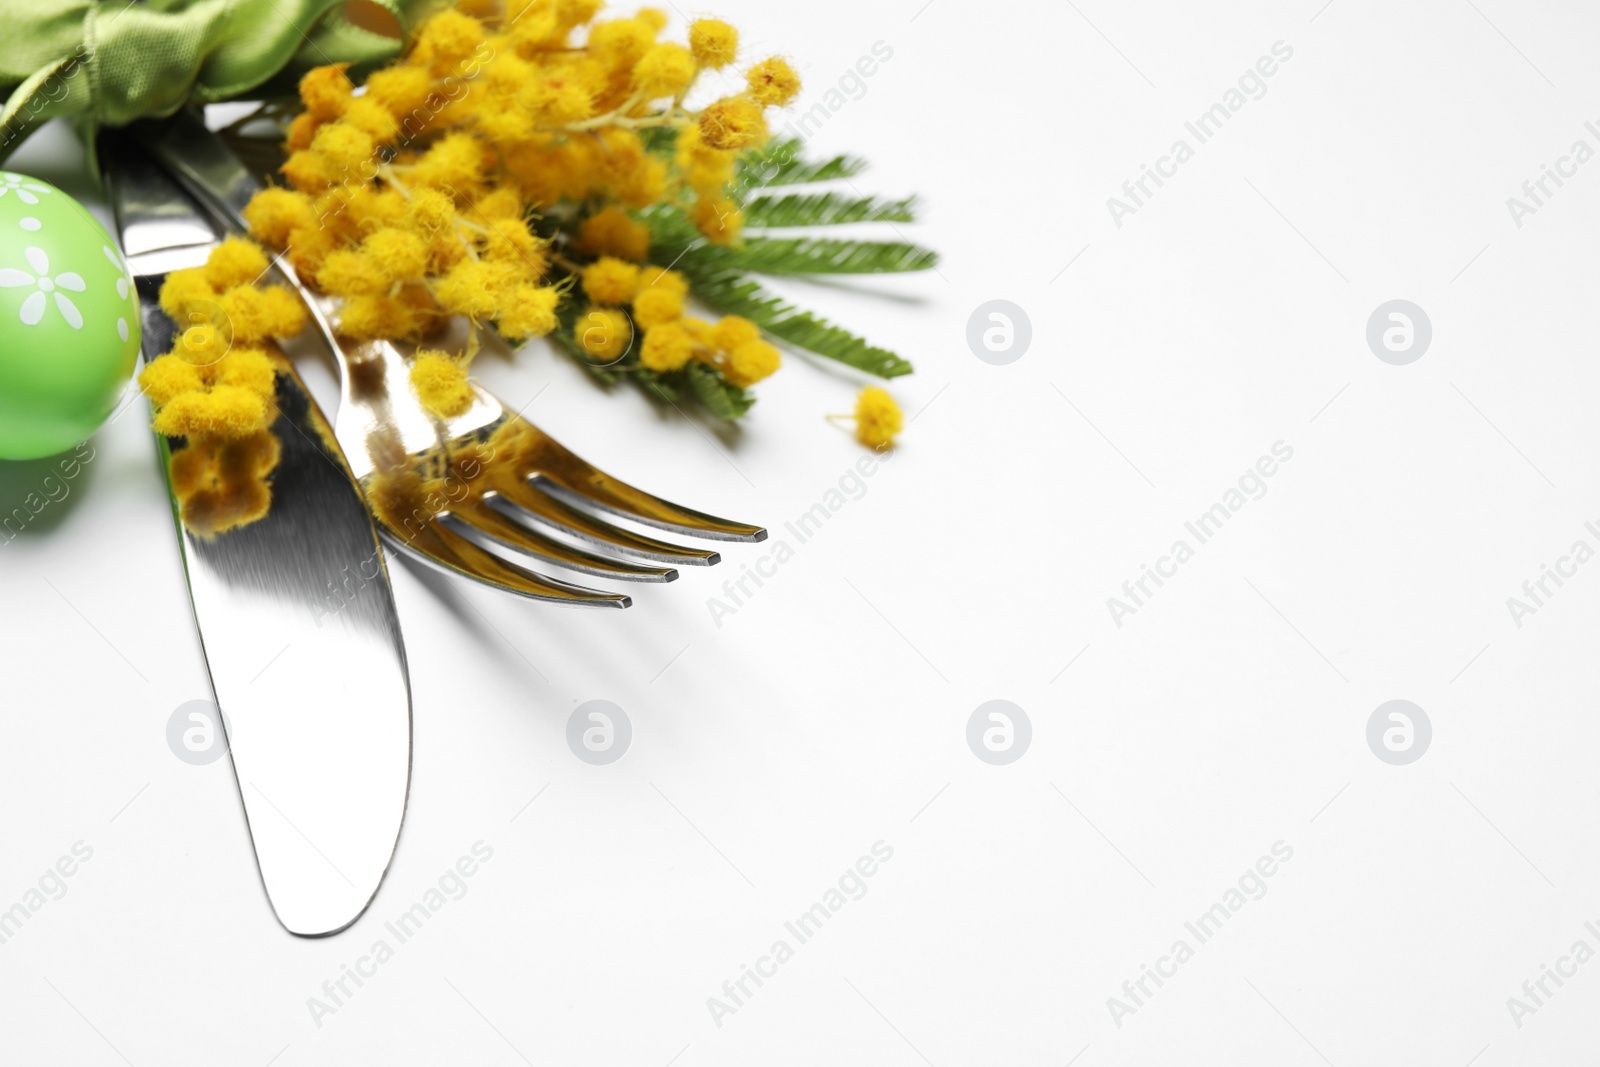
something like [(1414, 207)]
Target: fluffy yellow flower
[(346, 149), (610, 232), (302, 128), (734, 122), (200, 343), (429, 211), (183, 289), (365, 318), (308, 171), (226, 410), (751, 362), (283, 313), (473, 288), (654, 306), (249, 368), (372, 118), (718, 218), (169, 377), (621, 42), (651, 277), (610, 281), (441, 384), (251, 315), (235, 261), (773, 82), (604, 333), (665, 70), (734, 331), (326, 90), (273, 213), (878, 418), (713, 43), (667, 347), (456, 164), (395, 254), (402, 90), (498, 204), (350, 273), (446, 39), (529, 311)]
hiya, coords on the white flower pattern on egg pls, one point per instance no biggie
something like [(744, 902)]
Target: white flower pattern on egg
[(124, 285), (19, 184), (45, 286)]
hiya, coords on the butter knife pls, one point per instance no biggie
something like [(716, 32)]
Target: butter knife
[(295, 614)]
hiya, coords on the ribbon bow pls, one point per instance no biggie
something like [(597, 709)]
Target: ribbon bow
[(113, 62)]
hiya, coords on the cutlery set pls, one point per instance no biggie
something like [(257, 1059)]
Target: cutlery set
[(317, 698)]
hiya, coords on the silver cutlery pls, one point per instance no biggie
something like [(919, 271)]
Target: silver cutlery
[(295, 614), (540, 502)]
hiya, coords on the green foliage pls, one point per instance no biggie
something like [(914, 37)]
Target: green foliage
[(733, 292), (721, 397), (825, 209), (816, 255), (723, 276), (779, 163)]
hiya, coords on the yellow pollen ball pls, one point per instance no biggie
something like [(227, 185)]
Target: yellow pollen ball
[(169, 377), (604, 333), (665, 70), (273, 213), (235, 261), (326, 90), (401, 90), (622, 42), (610, 281), (307, 171), (397, 254), (372, 118), (667, 347), (447, 38), (350, 273), (530, 311), (734, 122), (878, 418), (651, 277), (653, 307), (713, 43), (718, 218), (184, 288), (441, 384), (734, 331), (773, 82), (751, 362), (346, 149)]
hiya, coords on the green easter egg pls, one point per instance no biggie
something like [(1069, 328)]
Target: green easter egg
[(69, 320)]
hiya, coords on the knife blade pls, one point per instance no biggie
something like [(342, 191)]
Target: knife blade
[(295, 614)]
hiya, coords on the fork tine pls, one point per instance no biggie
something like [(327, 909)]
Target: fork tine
[(492, 523), (581, 524), (454, 554), (561, 472)]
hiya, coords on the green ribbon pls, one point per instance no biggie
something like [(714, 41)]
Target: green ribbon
[(115, 61)]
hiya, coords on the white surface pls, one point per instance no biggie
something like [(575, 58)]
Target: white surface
[(772, 752)]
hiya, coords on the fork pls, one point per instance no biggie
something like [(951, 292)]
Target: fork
[(393, 444)]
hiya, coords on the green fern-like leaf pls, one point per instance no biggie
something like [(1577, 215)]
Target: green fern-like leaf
[(721, 397), (656, 385), (732, 292), (818, 255), (826, 209), (779, 163)]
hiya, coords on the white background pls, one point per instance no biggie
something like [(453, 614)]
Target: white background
[(830, 711)]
